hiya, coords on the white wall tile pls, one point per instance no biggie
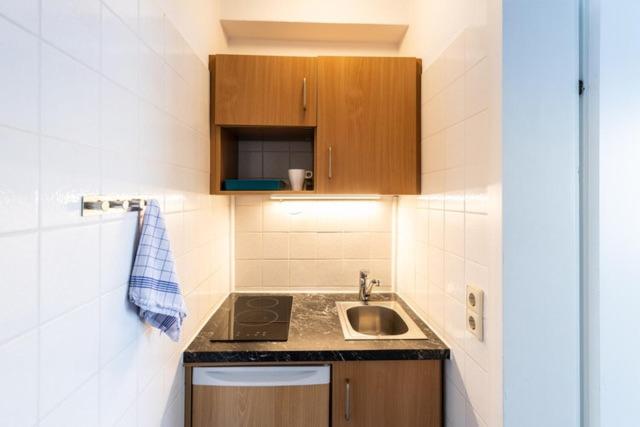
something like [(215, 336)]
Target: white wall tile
[(330, 273), (455, 406), (436, 228), (74, 26), (68, 173), (78, 410), (119, 51), (117, 237), (329, 245), (248, 218), (454, 233), (118, 386), (476, 239), (152, 25), (248, 245), (18, 366), (19, 170), (303, 246), (121, 323), (275, 246), (19, 272), (456, 164), (19, 77), (69, 89), (119, 115), (25, 13), (454, 277), (325, 243), (275, 273), (248, 273), (476, 97), (126, 10), (91, 130), (70, 263), (153, 77), (303, 273), (358, 245), (65, 365)]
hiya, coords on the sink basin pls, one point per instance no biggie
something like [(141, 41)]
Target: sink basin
[(377, 320)]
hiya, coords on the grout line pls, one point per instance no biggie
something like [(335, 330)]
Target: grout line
[(39, 229)]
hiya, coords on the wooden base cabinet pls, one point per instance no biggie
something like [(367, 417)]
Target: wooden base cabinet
[(270, 396), (397, 393), (387, 393)]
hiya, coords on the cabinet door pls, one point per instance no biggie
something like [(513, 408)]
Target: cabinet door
[(265, 90), (387, 393), (367, 134)]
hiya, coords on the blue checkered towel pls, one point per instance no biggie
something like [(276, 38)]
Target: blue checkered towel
[(153, 285)]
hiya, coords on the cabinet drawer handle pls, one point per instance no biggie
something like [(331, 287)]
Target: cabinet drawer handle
[(347, 401), (330, 162), (304, 94)]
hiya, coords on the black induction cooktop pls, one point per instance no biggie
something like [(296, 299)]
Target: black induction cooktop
[(256, 318)]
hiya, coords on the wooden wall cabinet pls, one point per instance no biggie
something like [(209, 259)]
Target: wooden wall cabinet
[(387, 393), (364, 113), (265, 90), (368, 137)]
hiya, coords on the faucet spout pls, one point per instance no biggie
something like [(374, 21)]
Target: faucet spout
[(366, 286)]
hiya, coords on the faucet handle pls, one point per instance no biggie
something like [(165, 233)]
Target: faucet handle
[(376, 282)]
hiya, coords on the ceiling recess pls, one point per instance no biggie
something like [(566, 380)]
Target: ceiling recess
[(314, 31)]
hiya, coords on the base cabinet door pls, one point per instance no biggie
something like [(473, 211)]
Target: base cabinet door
[(387, 393), (261, 396)]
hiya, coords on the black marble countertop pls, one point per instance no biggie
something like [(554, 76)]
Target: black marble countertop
[(315, 334)]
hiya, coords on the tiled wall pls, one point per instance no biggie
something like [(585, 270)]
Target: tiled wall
[(443, 237), (311, 245), (273, 159), (98, 97)]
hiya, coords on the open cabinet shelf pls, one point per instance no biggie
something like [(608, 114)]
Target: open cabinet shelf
[(258, 153)]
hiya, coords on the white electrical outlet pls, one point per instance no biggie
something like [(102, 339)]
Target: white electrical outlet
[(475, 324), (475, 311), (475, 300)]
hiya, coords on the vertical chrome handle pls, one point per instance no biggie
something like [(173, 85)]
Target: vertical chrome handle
[(347, 400), (330, 162), (304, 94)]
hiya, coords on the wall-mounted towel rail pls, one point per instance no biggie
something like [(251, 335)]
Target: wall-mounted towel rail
[(99, 205)]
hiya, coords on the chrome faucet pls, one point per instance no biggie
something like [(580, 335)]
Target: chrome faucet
[(365, 288)]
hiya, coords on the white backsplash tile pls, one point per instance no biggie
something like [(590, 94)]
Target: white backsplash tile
[(319, 243)]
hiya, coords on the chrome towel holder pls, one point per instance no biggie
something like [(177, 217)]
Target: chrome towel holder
[(99, 205)]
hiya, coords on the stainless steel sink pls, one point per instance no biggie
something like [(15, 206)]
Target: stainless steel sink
[(376, 320)]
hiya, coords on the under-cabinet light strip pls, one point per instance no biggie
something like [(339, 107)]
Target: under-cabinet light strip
[(324, 197)]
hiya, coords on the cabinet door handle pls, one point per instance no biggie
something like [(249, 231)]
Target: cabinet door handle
[(304, 94), (347, 400), (330, 162)]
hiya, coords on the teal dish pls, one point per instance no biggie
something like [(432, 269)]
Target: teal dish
[(253, 184)]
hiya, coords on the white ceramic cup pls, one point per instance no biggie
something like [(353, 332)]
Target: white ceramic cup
[(297, 177)]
